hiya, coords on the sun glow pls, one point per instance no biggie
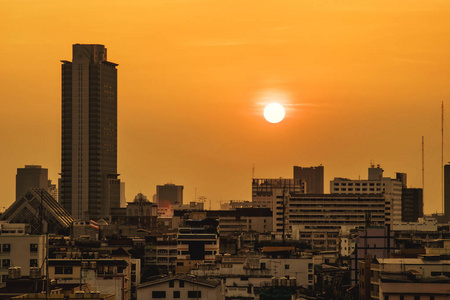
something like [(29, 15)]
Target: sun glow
[(274, 112)]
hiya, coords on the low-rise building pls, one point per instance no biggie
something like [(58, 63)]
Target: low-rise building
[(180, 287), (18, 249)]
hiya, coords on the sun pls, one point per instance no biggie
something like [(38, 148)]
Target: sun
[(274, 112)]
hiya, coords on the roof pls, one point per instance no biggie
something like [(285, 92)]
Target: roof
[(404, 278), (27, 209), (192, 279), (411, 261), (277, 249)]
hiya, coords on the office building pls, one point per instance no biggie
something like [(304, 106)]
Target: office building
[(32, 177), (313, 176), (319, 218), (169, 194), (262, 189), (412, 204), (90, 187), (390, 189)]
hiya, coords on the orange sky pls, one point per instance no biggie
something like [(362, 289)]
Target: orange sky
[(362, 83)]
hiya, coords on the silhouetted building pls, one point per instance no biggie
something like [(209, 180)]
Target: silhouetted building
[(313, 176), (447, 193), (89, 184), (412, 204), (169, 194), (31, 177)]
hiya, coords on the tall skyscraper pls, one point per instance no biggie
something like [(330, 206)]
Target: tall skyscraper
[(32, 176), (313, 176), (90, 187)]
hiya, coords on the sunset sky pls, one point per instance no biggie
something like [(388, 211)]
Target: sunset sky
[(361, 82)]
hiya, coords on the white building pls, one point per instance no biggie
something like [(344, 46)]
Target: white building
[(19, 249), (180, 287), (391, 189), (324, 213), (241, 275)]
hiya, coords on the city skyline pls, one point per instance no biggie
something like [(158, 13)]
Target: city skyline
[(361, 83)]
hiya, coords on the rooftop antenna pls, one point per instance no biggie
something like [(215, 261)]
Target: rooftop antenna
[(253, 171)]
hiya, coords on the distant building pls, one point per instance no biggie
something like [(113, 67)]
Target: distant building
[(313, 176), (90, 187), (33, 177), (325, 213), (169, 194), (390, 189), (447, 193), (262, 189), (412, 204)]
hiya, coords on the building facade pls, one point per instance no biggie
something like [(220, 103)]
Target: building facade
[(262, 189), (20, 250), (89, 184), (313, 176), (390, 189), (169, 194), (33, 177)]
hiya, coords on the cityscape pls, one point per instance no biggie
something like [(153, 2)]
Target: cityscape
[(261, 188)]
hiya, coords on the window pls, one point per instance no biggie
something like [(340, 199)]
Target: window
[(402, 297), (181, 283), (33, 263), (435, 273), (6, 263), (33, 248), (158, 294), (416, 297), (386, 297), (194, 294), (6, 247), (180, 264), (310, 266), (263, 266), (63, 270), (286, 267), (310, 277), (171, 283), (176, 294)]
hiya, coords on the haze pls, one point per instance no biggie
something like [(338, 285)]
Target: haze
[(361, 82)]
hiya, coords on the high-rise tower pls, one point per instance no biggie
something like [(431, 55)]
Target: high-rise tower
[(90, 187)]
